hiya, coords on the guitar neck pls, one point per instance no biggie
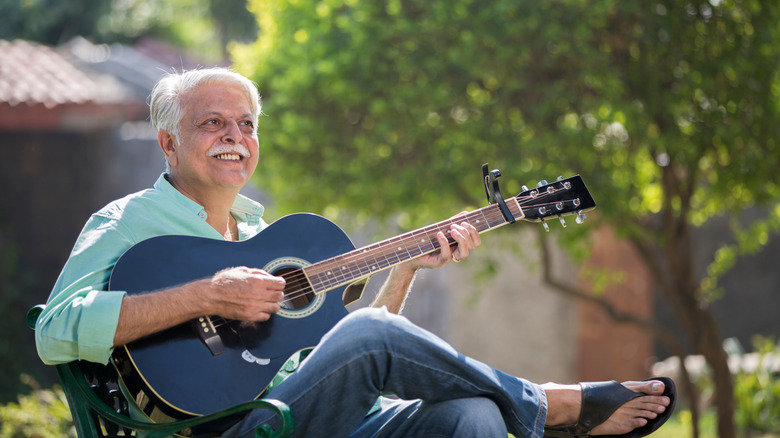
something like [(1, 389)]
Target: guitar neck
[(364, 262), (561, 198)]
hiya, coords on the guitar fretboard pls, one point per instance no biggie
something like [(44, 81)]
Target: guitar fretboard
[(363, 262)]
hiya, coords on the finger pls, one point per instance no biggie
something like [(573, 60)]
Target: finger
[(267, 281), (271, 308), (473, 234), (266, 309), (463, 240), (278, 283), (445, 252), (278, 297)]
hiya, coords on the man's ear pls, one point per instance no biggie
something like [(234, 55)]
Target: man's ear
[(169, 146)]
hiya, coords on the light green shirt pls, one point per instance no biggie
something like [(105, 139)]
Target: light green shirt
[(81, 317)]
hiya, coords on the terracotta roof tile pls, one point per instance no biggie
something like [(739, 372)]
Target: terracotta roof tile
[(32, 73)]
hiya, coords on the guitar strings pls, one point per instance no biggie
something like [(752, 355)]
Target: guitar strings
[(379, 252), (490, 212), (298, 275)]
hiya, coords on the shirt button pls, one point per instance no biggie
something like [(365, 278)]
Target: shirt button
[(202, 215)]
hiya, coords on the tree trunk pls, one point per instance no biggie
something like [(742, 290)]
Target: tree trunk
[(710, 345), (680, 287), (682, 293), (702, 330)]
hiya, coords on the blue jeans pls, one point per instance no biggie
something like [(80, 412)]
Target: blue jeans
[(438, 392)]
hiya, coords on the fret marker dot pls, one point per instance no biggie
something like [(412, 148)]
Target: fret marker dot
[(329, 273)]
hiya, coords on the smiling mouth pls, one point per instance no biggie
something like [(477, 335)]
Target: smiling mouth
[(228, 157), (229, 152)]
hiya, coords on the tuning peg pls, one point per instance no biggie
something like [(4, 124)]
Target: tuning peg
[(580, 218), (563, 222), (524, 188), (541, 183), (560, 178), (546, 227)]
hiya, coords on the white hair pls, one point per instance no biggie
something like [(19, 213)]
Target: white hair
[(165, 103)]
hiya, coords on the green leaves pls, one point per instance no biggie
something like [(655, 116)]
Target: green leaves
[(392, 106)]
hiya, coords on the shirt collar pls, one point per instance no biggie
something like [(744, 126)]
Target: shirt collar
[(243, 208)]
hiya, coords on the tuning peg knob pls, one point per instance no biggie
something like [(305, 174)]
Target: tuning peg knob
[(563, 222), (546, 227), (541, 183), (524, 188), (580, 218)]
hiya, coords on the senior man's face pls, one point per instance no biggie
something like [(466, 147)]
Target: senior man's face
[(219, 146)]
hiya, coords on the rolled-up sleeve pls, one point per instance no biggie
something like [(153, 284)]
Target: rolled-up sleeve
[(81, 327), (81, 315)]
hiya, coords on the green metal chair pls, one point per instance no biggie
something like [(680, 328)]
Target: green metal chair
[(100, 409)]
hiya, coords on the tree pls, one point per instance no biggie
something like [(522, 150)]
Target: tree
[(204, 27), (670, 108)]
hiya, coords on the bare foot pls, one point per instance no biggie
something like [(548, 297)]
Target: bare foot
[(564, 403)]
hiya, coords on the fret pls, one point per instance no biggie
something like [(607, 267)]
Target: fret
[(360, 263), (363, 262)]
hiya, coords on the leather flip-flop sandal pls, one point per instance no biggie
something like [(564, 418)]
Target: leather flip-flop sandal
[(601, 399)]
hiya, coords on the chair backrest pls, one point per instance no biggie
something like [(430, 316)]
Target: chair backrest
[(99, 408)]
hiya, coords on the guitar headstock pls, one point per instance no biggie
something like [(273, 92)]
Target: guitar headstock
[(560, 198)]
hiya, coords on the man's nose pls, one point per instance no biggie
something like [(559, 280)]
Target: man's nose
[(232, 132)]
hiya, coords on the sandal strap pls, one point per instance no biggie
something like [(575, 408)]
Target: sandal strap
[(600, 400)]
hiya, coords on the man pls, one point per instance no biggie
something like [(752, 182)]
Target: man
[(206, 122)]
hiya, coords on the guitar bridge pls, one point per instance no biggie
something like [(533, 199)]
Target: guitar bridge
[(208, 334)]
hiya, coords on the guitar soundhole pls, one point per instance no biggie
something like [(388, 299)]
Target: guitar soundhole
[(297, 291)]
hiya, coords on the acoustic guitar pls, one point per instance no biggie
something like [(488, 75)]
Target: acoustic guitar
[(211, 364)]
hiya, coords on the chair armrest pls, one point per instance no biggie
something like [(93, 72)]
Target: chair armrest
[(71, 375), (79, 391), (86, 393), (33, 314)]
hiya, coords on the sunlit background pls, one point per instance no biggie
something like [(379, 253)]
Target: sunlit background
[(379, 114)]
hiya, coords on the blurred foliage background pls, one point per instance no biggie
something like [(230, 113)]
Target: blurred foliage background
[(386, 110), (669, 107)]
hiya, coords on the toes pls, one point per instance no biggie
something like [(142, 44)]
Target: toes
[(650, 387)]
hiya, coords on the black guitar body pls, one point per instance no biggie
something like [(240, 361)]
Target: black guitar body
[(175, 368)]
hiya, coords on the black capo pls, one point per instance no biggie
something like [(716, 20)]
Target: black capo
[(494, 193)]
